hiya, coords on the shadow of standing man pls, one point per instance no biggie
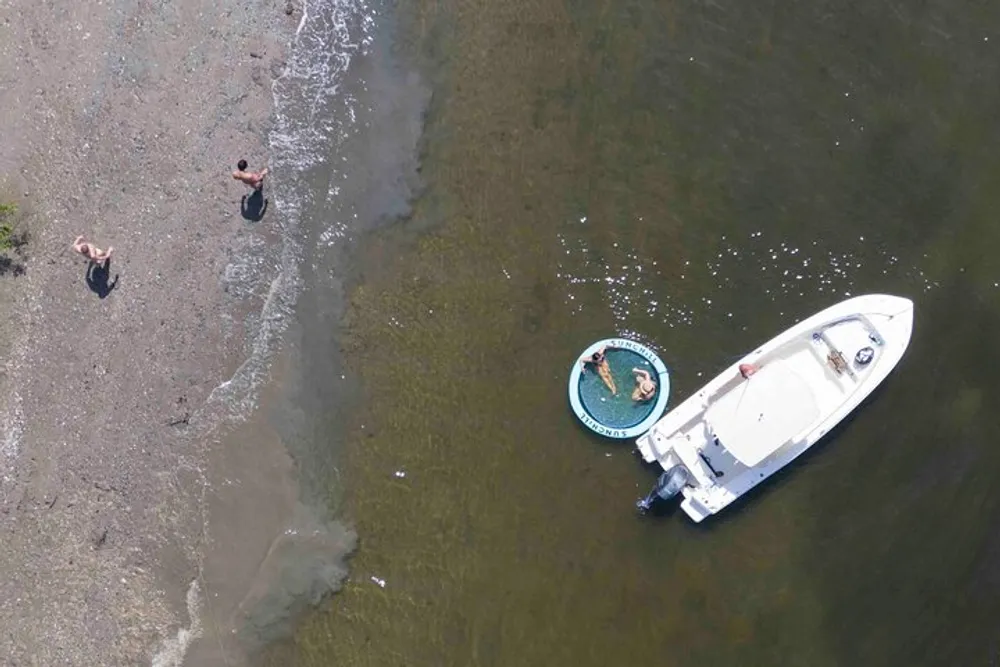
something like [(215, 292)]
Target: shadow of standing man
[(253, 207), (97, 278)]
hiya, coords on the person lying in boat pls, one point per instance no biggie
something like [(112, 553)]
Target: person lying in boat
[(746, 370), (837, 361), (645, 388), (600, 361)]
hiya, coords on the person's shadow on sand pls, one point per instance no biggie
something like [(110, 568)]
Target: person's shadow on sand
[(97, 279), (252, 207)]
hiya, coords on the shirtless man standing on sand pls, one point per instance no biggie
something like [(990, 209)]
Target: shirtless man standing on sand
[(91, 251), (252, 178)]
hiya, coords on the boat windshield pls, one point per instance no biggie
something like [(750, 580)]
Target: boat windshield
[(758, 416)]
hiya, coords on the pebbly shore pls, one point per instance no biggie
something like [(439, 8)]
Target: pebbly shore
[(121, 121)]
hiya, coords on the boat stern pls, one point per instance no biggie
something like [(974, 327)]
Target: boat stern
[(655, 448), (694, 509), (647, 448)]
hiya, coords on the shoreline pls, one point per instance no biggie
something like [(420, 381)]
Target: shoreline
[(126, 124)]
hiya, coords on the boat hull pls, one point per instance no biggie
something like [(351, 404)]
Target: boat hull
[(717, 433)]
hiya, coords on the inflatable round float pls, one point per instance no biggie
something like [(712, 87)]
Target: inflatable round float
[(617, 415)]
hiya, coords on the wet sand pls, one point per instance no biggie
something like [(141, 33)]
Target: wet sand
[(122, 122)]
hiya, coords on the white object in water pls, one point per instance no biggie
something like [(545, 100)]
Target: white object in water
[(736, 432)]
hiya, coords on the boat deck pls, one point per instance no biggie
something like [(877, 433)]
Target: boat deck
[(721, 462), (736, 432), (811, 376)]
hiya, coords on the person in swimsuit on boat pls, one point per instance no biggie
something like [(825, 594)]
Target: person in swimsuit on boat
[(746, 370), (600, 361), (645, 388)]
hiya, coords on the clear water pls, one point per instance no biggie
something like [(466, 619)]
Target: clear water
[(698, 176)]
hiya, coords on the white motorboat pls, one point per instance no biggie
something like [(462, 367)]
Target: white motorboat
[(772, 405)]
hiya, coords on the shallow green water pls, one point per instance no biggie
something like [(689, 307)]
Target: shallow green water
[(697, 176)]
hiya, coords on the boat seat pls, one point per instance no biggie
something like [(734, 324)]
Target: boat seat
[(837, 362), (836, 358)]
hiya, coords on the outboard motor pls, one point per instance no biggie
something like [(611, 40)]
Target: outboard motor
[(667, 486)]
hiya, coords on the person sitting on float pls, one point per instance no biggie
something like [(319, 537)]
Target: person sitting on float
[(645, 388)]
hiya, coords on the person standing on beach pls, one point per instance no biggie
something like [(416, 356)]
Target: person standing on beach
[(255, 179), (92, 252)]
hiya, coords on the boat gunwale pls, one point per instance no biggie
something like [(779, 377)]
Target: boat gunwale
[(717, 496)]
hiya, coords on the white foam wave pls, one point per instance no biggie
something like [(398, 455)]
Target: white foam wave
[(309, 121), (172, 650), (312, 116)]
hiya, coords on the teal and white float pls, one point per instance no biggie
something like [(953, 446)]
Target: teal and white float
[(617, 415)]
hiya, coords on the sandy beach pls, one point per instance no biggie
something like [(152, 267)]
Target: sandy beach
[(122, 121)]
